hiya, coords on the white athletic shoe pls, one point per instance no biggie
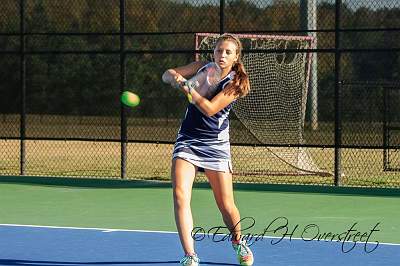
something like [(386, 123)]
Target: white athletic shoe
[(190, 260)]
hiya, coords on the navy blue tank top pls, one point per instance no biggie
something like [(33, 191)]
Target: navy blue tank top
[(197, 125)]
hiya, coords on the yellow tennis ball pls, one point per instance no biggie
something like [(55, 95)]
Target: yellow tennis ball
[(130, 99)]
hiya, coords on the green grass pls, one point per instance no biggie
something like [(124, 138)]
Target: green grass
[(153, 161), (360, 167)]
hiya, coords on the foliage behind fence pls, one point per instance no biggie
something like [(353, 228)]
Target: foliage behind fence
[(64, 64)]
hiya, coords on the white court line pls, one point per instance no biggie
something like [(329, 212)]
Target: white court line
[(104, 230), (110, 230)]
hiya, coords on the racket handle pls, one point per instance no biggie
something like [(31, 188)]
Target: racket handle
[(190, 85), (189, 97)]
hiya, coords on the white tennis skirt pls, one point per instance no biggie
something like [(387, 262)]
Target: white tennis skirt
[(204, 153)]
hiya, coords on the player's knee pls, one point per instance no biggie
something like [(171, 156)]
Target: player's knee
[(181, 197)]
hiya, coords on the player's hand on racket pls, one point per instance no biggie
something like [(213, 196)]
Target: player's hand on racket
[(173, 78), (178, 81)]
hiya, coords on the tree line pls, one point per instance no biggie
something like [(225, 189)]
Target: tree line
[(88, 84)]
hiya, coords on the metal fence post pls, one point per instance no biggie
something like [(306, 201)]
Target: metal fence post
[(338, 126), (23, 89), (124, 133)]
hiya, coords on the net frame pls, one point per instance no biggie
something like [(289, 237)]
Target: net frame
[(297, 158)]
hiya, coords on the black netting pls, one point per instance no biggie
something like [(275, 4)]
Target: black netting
[(62, 76)]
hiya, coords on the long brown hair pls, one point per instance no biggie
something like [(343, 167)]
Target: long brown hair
[(240, 85)]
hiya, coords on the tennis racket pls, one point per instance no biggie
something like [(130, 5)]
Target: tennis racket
[(205, 81)]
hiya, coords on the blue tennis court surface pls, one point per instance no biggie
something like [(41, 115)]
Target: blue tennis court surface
[(59, 246)]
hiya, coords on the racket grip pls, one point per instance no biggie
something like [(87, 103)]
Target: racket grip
[(190, 99), (189, 85)]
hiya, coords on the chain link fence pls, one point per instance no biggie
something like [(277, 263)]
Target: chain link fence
[(65, 63)]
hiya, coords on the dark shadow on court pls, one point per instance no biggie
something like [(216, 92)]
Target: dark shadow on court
[(11, 262), (118, 183)]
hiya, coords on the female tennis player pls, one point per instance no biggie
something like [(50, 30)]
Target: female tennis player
[(203, 145)]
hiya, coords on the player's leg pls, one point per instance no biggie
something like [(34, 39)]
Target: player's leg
[(222, 187), (221, 184), (183, 174)]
